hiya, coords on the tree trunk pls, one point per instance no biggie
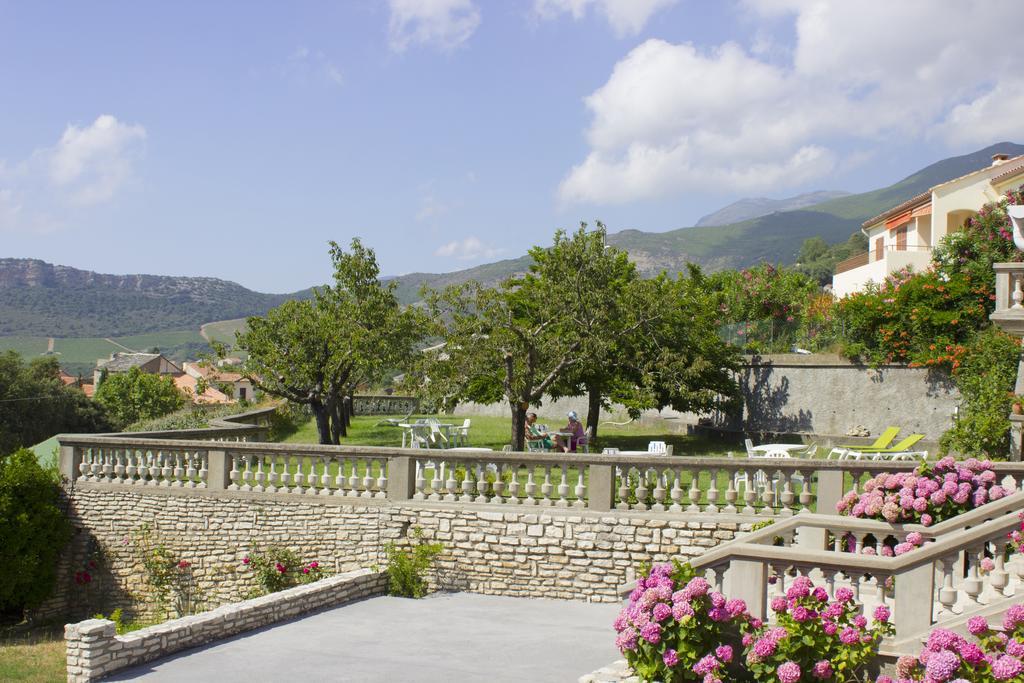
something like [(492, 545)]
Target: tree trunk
[(593, 409), (337, 420), (323, 423), (518, 427)]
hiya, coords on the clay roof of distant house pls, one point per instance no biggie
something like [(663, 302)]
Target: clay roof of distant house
[(88, 389), (1014, 166), (126, 361), (911, 203), (1017, 170), (187, 385), (67, 379)]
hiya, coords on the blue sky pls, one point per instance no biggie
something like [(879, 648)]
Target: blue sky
[(235, 139)]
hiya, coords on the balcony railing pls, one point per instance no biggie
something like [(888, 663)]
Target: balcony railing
[(852, 262)]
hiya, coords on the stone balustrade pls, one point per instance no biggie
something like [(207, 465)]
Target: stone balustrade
[(660, 484), (941, 580)]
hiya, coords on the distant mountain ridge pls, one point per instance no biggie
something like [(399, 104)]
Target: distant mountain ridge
[(774, 237), (755, 207), (41, 299)]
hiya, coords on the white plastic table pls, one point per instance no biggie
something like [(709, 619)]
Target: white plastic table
[(779, 450)]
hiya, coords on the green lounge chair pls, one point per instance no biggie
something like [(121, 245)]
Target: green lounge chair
[(898, 448), (883, 441)]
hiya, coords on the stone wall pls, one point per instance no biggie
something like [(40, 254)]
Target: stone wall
[(526, 551), (94, 649), (817, 394)]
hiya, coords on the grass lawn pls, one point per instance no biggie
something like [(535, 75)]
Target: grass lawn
[(35, 658), (495, 432)]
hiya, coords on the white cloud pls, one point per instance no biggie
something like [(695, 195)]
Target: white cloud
[(626, 17), (88, 165), (431, 207), (311, 66), (443, 24), (674, 118), (93, 162), (469, 249)]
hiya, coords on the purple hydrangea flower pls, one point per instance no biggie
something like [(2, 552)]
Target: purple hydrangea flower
[(788, 672)]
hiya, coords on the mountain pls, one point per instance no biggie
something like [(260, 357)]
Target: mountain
[(42, 299), (754, 207), (775, 237)]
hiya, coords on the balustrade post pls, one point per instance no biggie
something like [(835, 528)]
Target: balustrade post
[(401, 477), (601, 487), (915, 591), (218, 477), (748, 581), (70, 462)]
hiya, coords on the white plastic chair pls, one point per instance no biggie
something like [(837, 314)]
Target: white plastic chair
[(657, 448), (535, 446), (437, 437), (588, 436), (460, 435)]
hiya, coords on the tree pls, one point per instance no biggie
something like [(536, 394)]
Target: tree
[(35, 404), (665, 352), (33, 531), (515, 341), (315, 351), (135, 395)]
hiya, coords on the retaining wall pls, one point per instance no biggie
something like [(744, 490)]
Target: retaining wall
[(497, 549), (816, 394)]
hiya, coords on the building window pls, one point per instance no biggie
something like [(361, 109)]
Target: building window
[(880, 248), (241, 393), (901, 238)]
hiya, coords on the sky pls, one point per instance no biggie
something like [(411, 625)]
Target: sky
[(235, 139)]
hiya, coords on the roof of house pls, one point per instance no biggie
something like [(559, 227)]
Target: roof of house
[(1015, 161), (1014, 167), (88, 389), (911, 203), (1015, 171), (67, 379), (123, 361), (213, 374), (187, 385)]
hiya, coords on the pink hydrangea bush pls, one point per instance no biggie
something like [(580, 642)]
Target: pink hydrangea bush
[(929, 494), (815, 637), (992, 657), (676, 628), (1017, 536)]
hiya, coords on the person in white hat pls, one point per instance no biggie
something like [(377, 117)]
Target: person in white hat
[(576, 428)]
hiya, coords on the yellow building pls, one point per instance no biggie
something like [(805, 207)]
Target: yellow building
[(905, 234)]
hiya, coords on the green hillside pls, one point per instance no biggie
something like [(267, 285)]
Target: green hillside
[(775, 238), (78, 355)]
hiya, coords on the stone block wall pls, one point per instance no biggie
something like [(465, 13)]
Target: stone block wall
[(94, 649), (524, 551)]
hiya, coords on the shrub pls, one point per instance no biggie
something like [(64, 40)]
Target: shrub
[(169, 577), (33, 531), (947, 656), (135, 395), (985, 378), (407, 566), (929, 494), (814, 638), (675, 628), (279, 568)]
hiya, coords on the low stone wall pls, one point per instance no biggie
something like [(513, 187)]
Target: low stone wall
[(94, 649), (524, 550), (819, 395)]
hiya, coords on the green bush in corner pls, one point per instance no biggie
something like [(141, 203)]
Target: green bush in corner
[(408, 565), (33, 531)]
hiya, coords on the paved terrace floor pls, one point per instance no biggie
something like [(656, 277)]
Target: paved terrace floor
[(442, 638)]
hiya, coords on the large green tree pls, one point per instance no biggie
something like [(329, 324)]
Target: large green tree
[(35, 404), (663, 351), (314, 352), (135, 395), (580, 321)]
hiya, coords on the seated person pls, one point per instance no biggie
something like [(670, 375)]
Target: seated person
[(574, 426), (534, 434)]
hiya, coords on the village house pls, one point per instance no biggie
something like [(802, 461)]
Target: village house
[(905, 235), (123, 361), (233, 384)]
